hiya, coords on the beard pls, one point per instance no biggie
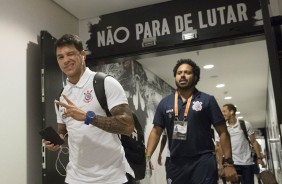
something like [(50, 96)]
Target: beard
[(188, 86)]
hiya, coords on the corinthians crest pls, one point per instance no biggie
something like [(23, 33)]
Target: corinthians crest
[(88, 96), (197, 106)]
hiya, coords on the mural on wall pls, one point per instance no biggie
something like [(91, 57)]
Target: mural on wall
[(143, 89)]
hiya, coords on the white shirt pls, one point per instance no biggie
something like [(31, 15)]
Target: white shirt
[(241, 151), (95, 156)]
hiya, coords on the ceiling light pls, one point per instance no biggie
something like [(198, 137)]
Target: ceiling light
[(240, 117), (227, 97), (208, 66), (220, 85), (237, 112)]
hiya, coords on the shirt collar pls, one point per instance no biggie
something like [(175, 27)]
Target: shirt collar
[(235, 125)]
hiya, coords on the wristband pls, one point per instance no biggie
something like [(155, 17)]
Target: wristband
[(228, 161), (259, 158)]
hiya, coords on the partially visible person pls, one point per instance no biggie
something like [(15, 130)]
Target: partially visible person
[(95, 151), (187, 116), (241, 149)]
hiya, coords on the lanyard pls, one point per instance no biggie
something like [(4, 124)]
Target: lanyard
[(176, 106)]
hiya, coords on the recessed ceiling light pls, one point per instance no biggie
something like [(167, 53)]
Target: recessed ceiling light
[(208, 66), (220, 85), (227, 97), (237, 112), (240, 117)]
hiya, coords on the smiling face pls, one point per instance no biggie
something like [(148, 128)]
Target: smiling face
[(184, 78), (227, 113), (71, 62)]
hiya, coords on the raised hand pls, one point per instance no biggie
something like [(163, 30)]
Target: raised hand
[(71, 110)]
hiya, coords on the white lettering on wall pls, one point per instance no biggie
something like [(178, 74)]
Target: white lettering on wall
[(111, 37), (110, 40), (126, 34), (182, 23), (227, 15), (156, 28), (216, 16), (242, 12), (212, 21)]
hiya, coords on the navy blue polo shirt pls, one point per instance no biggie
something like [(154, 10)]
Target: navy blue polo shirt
[(203, 112)]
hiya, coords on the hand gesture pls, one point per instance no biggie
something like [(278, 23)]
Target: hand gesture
[(71, 110)]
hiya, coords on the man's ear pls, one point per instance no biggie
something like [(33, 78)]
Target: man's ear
[(83, 53)]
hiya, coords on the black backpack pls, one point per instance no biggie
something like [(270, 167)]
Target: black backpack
[(133, 145)]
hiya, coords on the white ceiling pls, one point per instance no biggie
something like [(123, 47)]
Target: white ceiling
[(243, 68)]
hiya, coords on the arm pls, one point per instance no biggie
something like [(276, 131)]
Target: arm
[(219, 156), (163, 142), (224, 139), (257, 149), (121, 121), (228, 171), (153, 140)]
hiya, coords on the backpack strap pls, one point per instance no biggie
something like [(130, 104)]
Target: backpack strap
[(99, 88), (243, 126)]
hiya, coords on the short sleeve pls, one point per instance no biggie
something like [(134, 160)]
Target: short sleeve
[(216, 114), (159, 118), (114, 93), (249, 128), (216, 136)]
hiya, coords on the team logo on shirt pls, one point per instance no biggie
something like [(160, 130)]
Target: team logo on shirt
[(197, 106), (88, 96)]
